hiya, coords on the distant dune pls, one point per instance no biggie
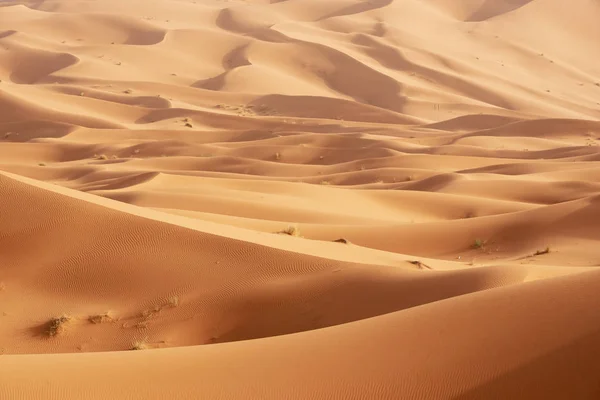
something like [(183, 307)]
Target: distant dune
[(299, 199)]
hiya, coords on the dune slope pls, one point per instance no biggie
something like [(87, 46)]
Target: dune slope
[(299, 199)]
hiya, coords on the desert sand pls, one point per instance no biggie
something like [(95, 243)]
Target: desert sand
[(299, 199)]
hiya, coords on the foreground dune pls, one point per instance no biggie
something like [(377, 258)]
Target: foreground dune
[(434, 164)]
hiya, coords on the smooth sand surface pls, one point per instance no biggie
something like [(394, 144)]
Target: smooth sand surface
[(434, 163)]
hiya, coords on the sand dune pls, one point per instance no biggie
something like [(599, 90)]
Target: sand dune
[(299, 199)]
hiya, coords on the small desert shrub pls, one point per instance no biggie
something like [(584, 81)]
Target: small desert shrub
[(173, 301), (57, 325), (102, 318), (291, 230), (151, 313), (478, 244), (140, 345)]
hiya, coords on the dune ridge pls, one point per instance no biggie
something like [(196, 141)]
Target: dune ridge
[(299, 199)]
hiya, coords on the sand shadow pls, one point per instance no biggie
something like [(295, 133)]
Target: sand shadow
[(492, 8), (6, 34)]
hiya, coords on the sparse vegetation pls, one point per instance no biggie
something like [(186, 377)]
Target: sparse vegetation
[(420, 265), (140, 345), (291, 230), (58, 325), (540, 252), (342, 240), (100, 157), (102, 318), (173, 301), (42, 164), (147, 314), (478, 244)]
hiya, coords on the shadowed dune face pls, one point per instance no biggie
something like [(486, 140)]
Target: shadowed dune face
[(299, 199)]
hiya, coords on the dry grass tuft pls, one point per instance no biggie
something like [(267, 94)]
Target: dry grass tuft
[(540, 252), (173, 301), (291, 230), (140, 345), (151, 313), (420, 265), (478, 244), (57, 325), (102, 318)]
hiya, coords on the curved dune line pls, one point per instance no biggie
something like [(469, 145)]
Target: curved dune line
[(299, 199)]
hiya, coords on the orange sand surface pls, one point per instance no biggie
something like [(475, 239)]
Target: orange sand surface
[(299, 199)]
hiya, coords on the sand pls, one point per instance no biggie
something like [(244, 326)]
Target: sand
[(299, 199)]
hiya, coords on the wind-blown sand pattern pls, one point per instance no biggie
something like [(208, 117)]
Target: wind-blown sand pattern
[(435, 164)]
